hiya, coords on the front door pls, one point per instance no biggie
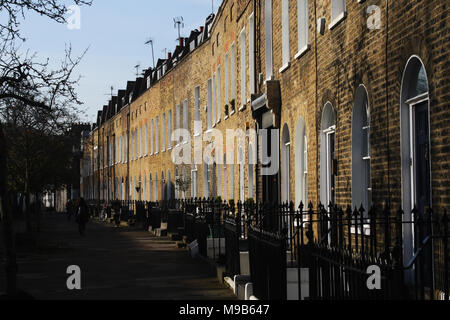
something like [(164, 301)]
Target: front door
[(422, 188), (331, 168)]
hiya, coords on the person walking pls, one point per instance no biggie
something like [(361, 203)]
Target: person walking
[(82, 216), (117, 208), (69, 209)]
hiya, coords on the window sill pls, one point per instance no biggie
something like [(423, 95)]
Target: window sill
[(337, 20), (197, 135), (218, 121), (232, 112), (302, 51), (284, 67), (226, 117), (242, 108)]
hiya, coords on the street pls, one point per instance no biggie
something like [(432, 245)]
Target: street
[(115, 263)]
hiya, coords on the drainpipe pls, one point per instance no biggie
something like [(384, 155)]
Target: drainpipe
[(387, 106)]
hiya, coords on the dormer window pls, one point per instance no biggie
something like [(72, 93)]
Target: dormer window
[(148, 82), (192, 45)]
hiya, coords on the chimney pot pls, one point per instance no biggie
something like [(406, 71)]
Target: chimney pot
[(202, 28), (169, 55), (181, 41)]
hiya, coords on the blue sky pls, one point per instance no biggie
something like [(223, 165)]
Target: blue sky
[(115, 32)]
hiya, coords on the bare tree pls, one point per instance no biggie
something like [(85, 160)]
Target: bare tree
[(25, 78)]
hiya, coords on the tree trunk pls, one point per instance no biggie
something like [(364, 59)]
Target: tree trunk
[(7, 222), (27, 201)]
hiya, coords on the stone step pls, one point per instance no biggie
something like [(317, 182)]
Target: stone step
[(174, 236), (181, 244), (161, 232)]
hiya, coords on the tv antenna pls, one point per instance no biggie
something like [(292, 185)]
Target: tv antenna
[(178, 23), (150, 41), (110, 94), (137, 66)]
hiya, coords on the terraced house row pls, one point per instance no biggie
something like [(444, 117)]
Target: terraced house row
[(358, 91)]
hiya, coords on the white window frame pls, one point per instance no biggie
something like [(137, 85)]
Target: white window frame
[(197, 118), (251, 53), (157, 136), (233, 71), (338, 12), (285, 47), (146, 140), (219, 98), (209, 106), (151, 136), (268, 39), (169, 130), (303, 27), (243, 70), (163, 134), (186, 116)]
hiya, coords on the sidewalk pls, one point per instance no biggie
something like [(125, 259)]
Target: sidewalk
[(116, 263)]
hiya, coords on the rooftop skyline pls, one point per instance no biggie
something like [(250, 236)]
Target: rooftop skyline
[(114, 32)]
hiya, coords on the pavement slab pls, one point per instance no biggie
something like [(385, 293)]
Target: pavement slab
[(116, 263)]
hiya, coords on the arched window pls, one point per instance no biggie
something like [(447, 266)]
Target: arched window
[(144, 192), (328, 164), (150, 186), (361, 179), (251, 162), (177, 176), (225, 177), (162, 187), (415, 150), (301, 164), (194, 181), (155, 196), (241, 175), (169, 189), (205, 180), (214, 180), (285, 164)]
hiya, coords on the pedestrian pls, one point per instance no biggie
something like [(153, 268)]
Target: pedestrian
[(82, 216), (117, 209), (69, 209)]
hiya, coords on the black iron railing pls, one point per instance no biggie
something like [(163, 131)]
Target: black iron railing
[(336, 252)]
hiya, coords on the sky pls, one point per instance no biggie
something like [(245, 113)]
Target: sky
[(114, 32)]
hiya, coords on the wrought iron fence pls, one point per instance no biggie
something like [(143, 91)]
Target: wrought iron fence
[(334, 252)]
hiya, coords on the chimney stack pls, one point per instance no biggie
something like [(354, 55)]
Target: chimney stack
[(169, 55), (201, 29), (181, 40)]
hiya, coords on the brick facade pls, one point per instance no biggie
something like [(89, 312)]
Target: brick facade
[(330, 70)]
